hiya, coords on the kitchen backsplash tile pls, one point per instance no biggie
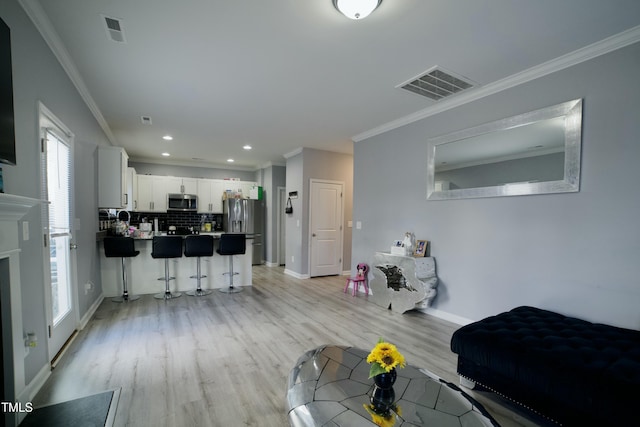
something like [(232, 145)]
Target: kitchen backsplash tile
[(179, 219)]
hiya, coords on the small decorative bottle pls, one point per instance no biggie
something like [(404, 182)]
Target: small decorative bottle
[(408, 243)]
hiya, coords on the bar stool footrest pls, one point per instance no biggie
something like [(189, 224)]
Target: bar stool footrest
[(125, 298), (168, 295), (230, 290), (199, 292)]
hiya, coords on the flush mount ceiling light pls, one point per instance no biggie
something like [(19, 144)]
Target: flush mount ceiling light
[(166, 154), (167, 138), (356, 9), (247, 147)]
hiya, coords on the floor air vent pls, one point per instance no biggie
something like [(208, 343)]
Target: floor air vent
[(115, 29), (437, 84)]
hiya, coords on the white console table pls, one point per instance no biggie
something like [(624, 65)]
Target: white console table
[(402, 283)]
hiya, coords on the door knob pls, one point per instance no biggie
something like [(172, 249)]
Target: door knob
[(73, 246), (313, 235)]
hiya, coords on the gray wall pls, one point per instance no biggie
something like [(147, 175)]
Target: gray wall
[(315, 164), (37, 76), (576, 253), (293, 222)]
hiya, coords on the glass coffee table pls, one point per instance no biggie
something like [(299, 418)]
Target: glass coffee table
[(329, 386)]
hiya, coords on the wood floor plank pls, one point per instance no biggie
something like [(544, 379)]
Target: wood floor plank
[(223, 359)]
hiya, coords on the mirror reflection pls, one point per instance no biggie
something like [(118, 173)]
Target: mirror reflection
[(533, 153)]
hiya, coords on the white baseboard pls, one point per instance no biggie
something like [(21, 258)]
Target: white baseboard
[(89, 314), (271, 264), (296, 275), (35, 384), (43, 375), (32, 389), (447, 316)]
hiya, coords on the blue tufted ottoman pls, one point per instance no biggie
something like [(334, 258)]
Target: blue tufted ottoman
[(568, 370)]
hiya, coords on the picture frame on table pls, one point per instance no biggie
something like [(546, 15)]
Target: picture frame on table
[(421, 248)]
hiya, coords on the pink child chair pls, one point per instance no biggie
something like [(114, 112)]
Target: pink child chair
[(361, 277)]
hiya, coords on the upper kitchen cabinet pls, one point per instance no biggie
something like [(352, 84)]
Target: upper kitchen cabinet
[(152, 193), (210, 195), (112, 177), (132, 189), (175, 185)]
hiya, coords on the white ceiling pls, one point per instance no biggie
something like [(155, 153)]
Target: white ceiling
[(285, 74)]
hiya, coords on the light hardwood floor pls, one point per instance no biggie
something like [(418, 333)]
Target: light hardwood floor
[(223, 359)]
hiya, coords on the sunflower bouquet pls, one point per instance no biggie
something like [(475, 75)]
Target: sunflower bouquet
[(383, 358)]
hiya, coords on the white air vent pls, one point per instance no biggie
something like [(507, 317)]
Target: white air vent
[(146, 120), (437, 84), (115, 29)]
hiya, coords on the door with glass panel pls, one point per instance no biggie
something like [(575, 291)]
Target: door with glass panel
[(59, 265)]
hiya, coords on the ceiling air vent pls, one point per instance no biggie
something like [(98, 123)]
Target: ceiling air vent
[(437, 84), (115, 29), (146, 120)]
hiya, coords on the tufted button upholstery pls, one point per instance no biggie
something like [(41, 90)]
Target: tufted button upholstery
[(570, 369)]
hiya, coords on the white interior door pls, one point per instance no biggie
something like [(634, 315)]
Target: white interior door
[(325, 225), (59, 263)]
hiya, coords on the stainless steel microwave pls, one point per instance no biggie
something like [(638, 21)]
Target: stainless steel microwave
[(182, 202)]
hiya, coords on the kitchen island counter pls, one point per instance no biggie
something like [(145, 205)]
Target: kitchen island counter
[(143, 271)]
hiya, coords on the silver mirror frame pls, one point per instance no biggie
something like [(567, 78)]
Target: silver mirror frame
[(571, 110)]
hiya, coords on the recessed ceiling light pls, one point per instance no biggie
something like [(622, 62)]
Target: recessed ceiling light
[(166, 154), (167, 138), (247, 147), (230, 160)]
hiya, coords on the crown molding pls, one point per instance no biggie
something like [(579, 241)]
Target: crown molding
[(40, 20), (271, 164), (578, 56), (295, 152)]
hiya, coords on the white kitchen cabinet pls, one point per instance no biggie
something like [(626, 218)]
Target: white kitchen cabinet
[(152, 193), (132, 190), (217, 188), (203, 190), (112, 177), (176, 185), (210, 195)]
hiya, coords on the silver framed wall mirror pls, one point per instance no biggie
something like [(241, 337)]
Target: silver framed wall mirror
[(532, 153)]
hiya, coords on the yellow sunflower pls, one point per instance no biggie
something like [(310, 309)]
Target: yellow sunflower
[(384, 357)]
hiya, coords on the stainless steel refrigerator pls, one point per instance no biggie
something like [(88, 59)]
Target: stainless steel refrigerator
[(246, 216)]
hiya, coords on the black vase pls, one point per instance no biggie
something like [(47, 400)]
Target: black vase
[(385, 380), (382, 400)]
